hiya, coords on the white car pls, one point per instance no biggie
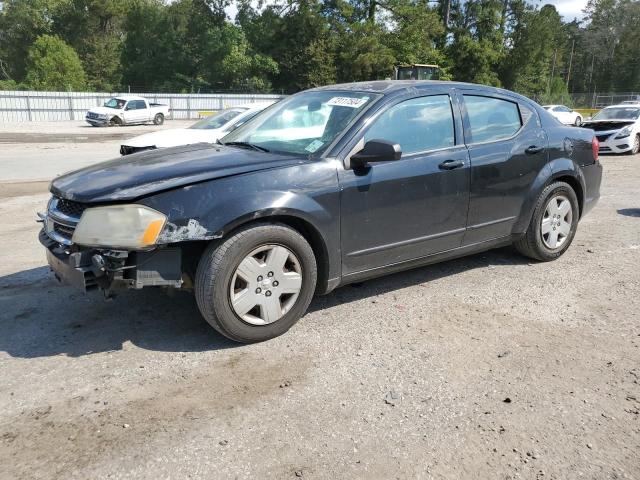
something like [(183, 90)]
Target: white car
[(617, 128), (564, 114), (127, 110), (207, 130)]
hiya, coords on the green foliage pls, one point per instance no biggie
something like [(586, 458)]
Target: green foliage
[(289, 45), (54, 65)]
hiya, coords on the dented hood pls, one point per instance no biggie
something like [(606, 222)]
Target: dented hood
[(146, 173)]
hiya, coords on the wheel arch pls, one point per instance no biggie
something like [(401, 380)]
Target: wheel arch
[(560, 170)]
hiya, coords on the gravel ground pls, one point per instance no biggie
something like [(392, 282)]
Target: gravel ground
[(484, 367)]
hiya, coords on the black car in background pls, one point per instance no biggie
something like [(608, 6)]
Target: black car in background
[(327, 187)]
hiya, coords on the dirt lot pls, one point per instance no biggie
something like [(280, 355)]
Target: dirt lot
[(484, 367)]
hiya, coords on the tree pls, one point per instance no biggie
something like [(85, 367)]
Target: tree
[(296, 36), (94, 28), (21, 22), (538, 49), (54, 65), (477, 48)]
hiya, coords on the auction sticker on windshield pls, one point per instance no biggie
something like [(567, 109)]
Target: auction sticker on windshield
[(313, 146), (348, 102)]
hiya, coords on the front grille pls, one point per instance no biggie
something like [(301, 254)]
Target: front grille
[(64, 230), (72, 209), (92, 115), (603, 138), (62, 217)]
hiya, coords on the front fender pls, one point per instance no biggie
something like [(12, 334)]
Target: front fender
[(555, 169), (210, 210)]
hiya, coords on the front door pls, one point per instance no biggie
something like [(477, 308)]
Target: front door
[(410, 208)]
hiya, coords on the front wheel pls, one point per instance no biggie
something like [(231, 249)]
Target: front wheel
[(636, 145), (158, 119), (256, 284), (553, 225), (578, 121)]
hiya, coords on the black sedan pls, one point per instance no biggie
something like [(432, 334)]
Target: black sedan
[(328, 187)]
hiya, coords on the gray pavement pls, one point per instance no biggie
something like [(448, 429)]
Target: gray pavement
[(490, 366)]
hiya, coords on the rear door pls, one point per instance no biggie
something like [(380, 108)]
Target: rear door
[(406, 209), (507, 149)]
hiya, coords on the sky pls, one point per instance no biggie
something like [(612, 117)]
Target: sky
[(569, 9)]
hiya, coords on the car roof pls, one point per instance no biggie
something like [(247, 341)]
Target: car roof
[(387, 87), (623, 105)]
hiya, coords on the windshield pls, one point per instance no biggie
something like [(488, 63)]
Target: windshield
[(117, 103), (305, 123), (618, 113), (218, 120)]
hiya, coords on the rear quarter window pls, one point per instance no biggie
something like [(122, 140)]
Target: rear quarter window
[(491, 119)]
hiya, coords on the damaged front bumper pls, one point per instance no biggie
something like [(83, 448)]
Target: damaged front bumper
[(112, 270)]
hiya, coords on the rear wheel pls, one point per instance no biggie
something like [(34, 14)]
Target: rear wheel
[(257, 284), (158, 119), (578, 121), (553, 225)]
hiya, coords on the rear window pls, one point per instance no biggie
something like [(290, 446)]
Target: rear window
[(491, 118)]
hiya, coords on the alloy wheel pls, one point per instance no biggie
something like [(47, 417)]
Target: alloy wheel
[(265, 285), (556, 222)]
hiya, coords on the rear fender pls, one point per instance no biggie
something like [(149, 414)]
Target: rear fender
[(558, 168)]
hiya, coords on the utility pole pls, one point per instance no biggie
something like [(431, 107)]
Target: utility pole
[(573, 44)]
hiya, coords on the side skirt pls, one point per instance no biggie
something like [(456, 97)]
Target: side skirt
[(427, 260)]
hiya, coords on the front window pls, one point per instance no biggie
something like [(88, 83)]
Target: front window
[(306, 123), (619, 113), (116, 103), (418, 125), (218, 120)]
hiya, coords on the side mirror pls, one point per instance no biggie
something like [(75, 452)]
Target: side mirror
[(376, 151)]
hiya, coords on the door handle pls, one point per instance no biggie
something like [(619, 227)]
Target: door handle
[(533, 149), (451, 164)]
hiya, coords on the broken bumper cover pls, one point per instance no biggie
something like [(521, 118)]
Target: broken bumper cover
[(74, 269), (110, 270)]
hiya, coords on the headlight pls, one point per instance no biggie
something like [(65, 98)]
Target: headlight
[(625, 132), (119, 226)]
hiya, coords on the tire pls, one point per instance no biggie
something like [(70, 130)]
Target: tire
[(636, 145), (578, 121), (221, 276), (115, 122), (158, 119), (538, 245)]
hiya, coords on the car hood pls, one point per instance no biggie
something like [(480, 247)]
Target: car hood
[(173, 137), (602, 125), (104, 110), (149, 172)]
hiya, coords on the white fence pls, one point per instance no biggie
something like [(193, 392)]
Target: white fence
[(17, 106)]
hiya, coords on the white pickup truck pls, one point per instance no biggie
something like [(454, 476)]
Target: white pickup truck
[(127, 110)]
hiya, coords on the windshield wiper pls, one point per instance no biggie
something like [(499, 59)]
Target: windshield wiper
[(246, 145)]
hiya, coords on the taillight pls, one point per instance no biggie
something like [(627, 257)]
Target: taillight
[(595, 146)]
